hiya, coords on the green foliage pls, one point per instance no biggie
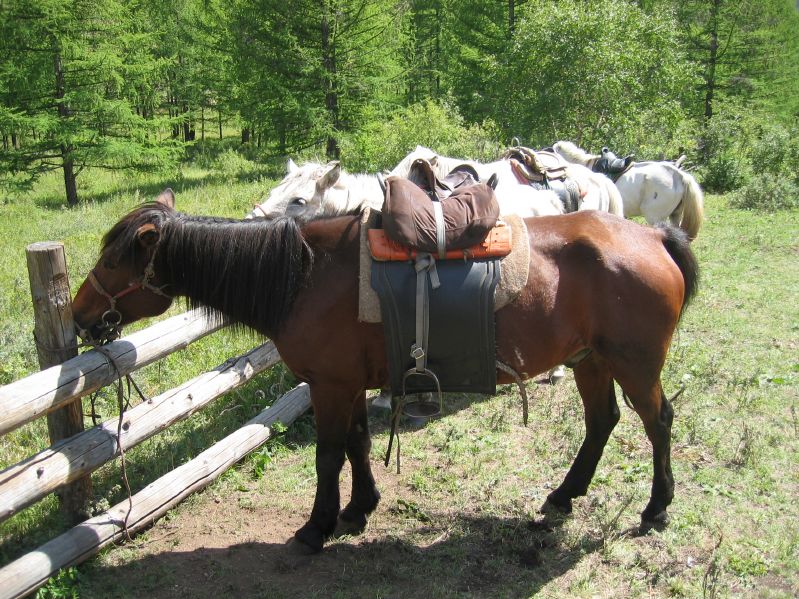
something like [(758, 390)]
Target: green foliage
[(381, 145), (63, 585), (596, 73), (769, 193), (74, 77)]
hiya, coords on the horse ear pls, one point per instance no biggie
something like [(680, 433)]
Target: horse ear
[(330, 177), (166, 197), (291, 167), (148, 235)]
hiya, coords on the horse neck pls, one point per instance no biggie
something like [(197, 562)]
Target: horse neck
[(244, 272), (361, 191)]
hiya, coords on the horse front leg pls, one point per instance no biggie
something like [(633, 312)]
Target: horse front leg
[(333, 413), (365, 496), (595, 384)]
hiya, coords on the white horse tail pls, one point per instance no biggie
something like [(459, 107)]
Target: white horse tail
[(615, 201), (572, 153), (693, 206)]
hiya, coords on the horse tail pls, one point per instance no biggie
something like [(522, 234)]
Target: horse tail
[(678, 245), (571, 152), (693, 210), (615, 201)]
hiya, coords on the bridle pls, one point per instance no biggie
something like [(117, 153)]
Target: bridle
[(112, 318)]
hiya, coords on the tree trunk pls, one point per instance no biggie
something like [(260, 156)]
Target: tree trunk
[(710, 73), (331, 96), (70, 184), (202, 123), (219, 114), (245, 135)]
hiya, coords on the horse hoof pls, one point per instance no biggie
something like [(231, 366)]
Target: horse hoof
[(299, 548), (657, 522), (556, 375), (346, 527), (383, 400), (309, 540), (554, 508)]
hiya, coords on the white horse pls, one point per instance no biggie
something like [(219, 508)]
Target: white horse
[(315, 190), (596, 191), (658, 191)]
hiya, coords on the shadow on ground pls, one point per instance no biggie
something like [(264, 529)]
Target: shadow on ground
[(487, 557)]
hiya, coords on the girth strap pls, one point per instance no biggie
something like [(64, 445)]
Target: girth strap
[(425, 267)]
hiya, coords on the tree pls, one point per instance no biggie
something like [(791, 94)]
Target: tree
[(747, 49), (309, 70), (73, 83), (597, 73)]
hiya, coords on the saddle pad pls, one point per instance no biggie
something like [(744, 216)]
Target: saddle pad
[(461, 349), (513, 273), (496, 245)]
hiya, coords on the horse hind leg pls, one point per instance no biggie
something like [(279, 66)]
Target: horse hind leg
[(365, 496), (595, 384), (657, 415)]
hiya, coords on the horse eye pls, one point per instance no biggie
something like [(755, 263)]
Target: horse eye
[(109, 264), (298, 202)]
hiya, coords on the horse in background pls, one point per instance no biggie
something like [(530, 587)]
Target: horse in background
[(597, 193), (658, 191), (316, 190)]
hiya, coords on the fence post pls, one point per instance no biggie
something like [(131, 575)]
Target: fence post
[(54, 333)]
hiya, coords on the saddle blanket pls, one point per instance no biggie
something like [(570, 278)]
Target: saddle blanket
[(514, 268)]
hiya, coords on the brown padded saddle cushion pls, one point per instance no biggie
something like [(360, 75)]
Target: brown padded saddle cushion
[(470, 212)]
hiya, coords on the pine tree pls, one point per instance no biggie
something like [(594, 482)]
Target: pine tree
[(76, 90)]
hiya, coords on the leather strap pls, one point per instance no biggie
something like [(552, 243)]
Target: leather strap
[(441, 242)]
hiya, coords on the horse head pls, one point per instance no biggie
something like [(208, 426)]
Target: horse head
[(303, 192), (123, 287)]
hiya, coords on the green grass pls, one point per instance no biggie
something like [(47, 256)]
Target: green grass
[(472, 481)]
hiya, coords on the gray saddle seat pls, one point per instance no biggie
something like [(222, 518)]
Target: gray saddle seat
[(611, 165)]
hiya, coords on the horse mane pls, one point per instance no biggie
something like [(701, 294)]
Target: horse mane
[(572, 153), (209, 260)]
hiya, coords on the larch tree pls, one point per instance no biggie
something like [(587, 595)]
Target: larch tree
[(73, 80)]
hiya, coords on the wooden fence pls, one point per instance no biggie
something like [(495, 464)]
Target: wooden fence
[(66, 465)]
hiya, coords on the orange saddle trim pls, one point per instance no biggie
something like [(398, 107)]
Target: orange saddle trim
[(497, 244)]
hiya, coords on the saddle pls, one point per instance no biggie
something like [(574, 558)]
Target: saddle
[(435, 269), (545, 169), (433, 215), (611, 165)]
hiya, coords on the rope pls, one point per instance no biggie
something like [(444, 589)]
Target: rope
[(123, 403)]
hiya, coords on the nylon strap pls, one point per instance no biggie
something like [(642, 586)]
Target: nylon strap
[(441, 241)]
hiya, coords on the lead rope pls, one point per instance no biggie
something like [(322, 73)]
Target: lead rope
[(123, 403)]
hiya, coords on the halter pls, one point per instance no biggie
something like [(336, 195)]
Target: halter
[(258, 207), (112, 318)]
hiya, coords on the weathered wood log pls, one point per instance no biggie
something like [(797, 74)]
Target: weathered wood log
[(32, 570), (29, 398), (56, 342), (31, 479)]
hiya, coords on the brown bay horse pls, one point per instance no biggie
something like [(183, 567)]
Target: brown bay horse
[(596, 282)]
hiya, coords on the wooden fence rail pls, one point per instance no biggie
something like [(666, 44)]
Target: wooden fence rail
[(27, 399), (74, 458), (28, 481), (32, 570)]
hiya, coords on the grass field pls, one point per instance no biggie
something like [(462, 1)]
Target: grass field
[(457, 521)]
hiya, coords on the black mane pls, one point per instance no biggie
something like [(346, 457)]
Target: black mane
[(246, 271)]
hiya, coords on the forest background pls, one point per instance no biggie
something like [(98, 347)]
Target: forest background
[(144, 84)]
